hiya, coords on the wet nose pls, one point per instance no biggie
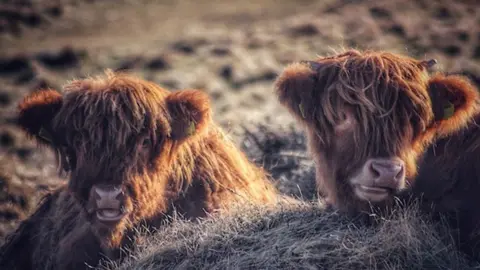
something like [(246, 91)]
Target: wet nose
[(108, 196), (388, 173)]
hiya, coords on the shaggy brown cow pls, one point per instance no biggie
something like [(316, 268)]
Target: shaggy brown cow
[(134, 153), (369, 116)]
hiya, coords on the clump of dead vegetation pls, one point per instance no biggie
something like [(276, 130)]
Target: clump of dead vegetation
[(304, 236)]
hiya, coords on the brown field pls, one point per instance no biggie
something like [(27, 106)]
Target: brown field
[(231, 49)]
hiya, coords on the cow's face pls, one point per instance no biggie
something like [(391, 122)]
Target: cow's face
[(368, 118), (117, 137)]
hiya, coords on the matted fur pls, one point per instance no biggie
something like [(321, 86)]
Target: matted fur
[(162, 148), (396, 105)]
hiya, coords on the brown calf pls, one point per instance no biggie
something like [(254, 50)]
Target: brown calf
[(370, 115), (134, 152)]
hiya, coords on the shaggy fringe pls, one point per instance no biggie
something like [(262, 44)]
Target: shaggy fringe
[(126, 115)]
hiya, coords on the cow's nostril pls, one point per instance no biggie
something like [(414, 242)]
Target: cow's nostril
[(119, 196), (375, 173), (97, 196), (400, 173)]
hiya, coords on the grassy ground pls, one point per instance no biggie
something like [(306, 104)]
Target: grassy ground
[(231, 49), (297, 237)]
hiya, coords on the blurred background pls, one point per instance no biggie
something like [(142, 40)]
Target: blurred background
[(231, 49)]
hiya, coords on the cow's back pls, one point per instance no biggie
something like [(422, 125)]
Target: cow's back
[(449, 181)]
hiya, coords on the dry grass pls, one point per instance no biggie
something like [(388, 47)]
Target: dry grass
[(298, 237)]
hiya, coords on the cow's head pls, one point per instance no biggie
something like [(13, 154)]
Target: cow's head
[(119, 138), (368, 116)]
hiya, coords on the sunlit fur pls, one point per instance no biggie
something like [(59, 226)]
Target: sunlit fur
[(395, 103), (162, 147)]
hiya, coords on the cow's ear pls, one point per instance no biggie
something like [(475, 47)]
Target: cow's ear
[(190, 113), (36, 113), (454, 101), (295, 89)]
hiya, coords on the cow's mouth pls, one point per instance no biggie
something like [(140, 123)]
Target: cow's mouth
[(371, 193), (110, 214)]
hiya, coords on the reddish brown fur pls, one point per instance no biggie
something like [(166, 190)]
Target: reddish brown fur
[(162, 148), (449, 177), (393, 106)]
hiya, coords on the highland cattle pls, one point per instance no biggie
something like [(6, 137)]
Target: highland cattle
[(134, 153), (373, 118)]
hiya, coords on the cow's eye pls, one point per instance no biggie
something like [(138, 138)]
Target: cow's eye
[(345, 121), (147, 143)]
